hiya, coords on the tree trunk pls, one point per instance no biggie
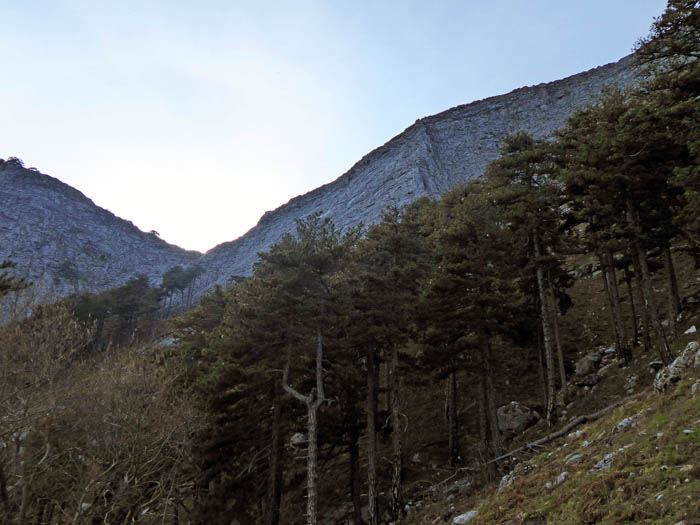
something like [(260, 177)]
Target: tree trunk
[(355, 479), (452, 423), (546, 332), (611, 301), (557, 340), (633, 219), (3, 488), (371, 435), (387, 385), (483, 418), (646, 316), (674, 300), (615, 294), (541, 368), (312, 464), (630, 295), (491, 405), (274, 489), (313, 402), (397, 460)]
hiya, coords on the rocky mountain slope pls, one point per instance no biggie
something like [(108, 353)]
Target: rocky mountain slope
[(63, 243), (61, 239)]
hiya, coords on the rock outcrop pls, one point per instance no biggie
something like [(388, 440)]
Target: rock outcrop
[(59, 238)]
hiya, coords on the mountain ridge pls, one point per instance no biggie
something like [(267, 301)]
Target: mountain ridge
[(426, 159)]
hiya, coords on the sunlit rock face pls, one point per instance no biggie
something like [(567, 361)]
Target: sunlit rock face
[(428, 158), (63, 243), (60, 239)]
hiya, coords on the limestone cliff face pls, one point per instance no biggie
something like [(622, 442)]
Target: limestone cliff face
[(65, 242), (428, 158)]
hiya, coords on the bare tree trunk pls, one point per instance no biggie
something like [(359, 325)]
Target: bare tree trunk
[(546, 332), (491, 404), (371, 435), (646, 316), (387, 384), (611, 301), (483, 418), (615, 294), (674, 300), (312, 465), (313, 402), (664, 351), (355, 479), (452, 423), (397, 460), (630, 294), (541, 368), (274, 489), (557, 340)]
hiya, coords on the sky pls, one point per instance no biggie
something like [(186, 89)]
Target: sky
[(195, 118)]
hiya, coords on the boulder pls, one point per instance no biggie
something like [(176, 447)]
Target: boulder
[(589, 380), (514, 417), (587, 364), (297, 440), (689, 358)]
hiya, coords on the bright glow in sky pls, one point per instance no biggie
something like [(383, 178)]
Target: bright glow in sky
[(194, 118)]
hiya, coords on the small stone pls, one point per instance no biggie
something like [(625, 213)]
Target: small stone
[(575, 434), (586, 443), (85, 506), (695, 388), (690, 330), (659, 435), (687, 431), (548, 485), (561, 478), (664, 468), (624, 424), (656, 365), (603, 463), (659, 496), (686, 468), (506, 481), (573, 459)]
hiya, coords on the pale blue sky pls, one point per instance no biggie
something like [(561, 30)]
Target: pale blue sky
[(194, 118)]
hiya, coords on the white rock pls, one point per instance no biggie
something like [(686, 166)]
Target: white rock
[(573, 459), (624, 424), (561, 478), (695, 388), (691, 330), (466, 517), (677, 369), (506, 481)]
